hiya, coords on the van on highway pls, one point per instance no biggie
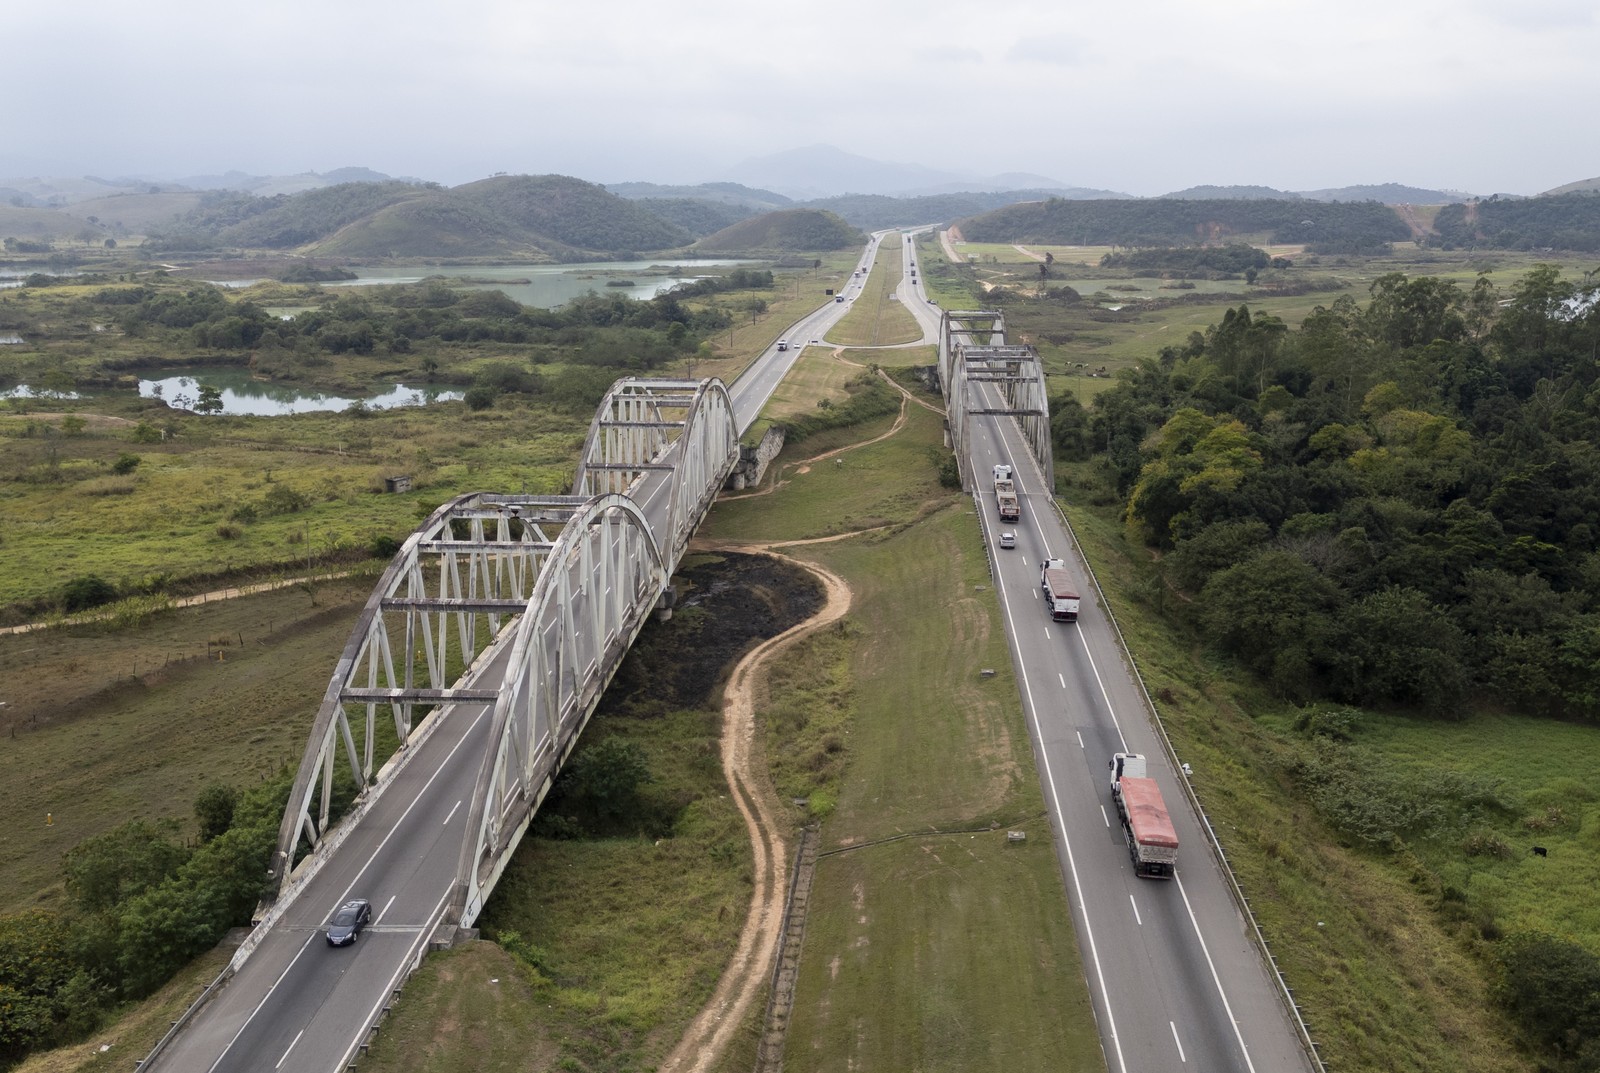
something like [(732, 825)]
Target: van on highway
[(783, 344)]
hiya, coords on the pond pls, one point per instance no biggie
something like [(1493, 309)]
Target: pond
[(242, 395), (540, 286)]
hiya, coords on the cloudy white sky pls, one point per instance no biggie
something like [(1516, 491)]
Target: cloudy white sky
[(1141, 97)]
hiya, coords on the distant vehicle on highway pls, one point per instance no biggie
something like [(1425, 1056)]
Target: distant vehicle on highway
[(348, 920), (1008, 539), (783, 344)]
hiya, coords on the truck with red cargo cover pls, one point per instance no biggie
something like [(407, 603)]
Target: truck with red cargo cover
[(1152, 840)]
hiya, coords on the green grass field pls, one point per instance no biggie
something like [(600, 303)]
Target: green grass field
[(876, 318), (210, 501), (933, 942), (105, 725)]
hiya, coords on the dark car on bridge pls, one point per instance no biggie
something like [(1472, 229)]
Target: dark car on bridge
[(348, 920)]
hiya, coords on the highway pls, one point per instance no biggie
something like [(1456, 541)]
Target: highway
[(298, 1004), (1175, 974), (1177, 981)]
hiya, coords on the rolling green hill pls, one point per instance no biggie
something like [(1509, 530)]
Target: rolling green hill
[(1331, 227), (789, 229), (544, 217)]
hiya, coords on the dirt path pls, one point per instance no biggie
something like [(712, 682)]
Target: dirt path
[(948, 239), (1419, 230), (1027, 252), (188, 601), (708, 1035)]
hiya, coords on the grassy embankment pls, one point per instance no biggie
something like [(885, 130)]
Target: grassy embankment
[(107, 724), (876, 318), (1083, 344), (1379, 954), (932, 950), (883, 726)]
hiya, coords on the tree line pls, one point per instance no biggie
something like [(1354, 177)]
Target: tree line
[(140, 903), (1558, 221), (1392, 504), (1322, 226)]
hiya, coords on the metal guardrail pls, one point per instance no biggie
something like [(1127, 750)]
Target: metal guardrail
[(1215, 844)]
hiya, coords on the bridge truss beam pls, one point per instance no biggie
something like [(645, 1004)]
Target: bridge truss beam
[(687, 426), (528, 603), (453, 588), (983, 375)]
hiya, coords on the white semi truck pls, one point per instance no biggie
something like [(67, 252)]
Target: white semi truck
[(1060, 598)]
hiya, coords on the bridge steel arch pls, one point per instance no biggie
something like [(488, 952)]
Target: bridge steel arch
[(973, 352), (449, 594), (559, 584), (687, 427), (603, 578)]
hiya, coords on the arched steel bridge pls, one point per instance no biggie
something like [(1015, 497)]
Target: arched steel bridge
[(982, 374), (526, 603)]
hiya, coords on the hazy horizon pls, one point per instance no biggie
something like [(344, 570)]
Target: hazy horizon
[(1471, 96)]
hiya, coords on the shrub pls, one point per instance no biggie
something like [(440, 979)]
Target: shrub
[(213, 809), (82, 593), (383, 547), (281, 499), (480, 397), (1552, 987), (126, 463)]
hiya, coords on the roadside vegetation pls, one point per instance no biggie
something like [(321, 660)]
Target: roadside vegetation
[(876, 317), (1344, 513), (1391, 645)]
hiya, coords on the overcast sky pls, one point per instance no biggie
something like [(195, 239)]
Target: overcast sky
[(1146, 97)]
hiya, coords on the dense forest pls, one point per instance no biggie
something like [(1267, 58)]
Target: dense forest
[(1561, 221), (1395, 504), (1230, 261), (1323, 227)]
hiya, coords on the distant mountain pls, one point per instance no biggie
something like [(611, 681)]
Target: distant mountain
[(699, 218), (873, 211), (717, 193), (1389, 194), (821, 171), (273, 185), (57, 192), (1324, 227), (1231, 193), (787, 230)]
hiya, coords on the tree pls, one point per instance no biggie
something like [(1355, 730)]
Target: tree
[(104, 871), (1270, 612), (210, 401), (605, 779), (1552, 987), (213, 809), (1396, 646)]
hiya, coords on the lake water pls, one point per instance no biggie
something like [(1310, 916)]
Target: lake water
[(242, 395), (539, 286)]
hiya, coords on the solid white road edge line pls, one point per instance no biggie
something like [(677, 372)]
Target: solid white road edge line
[(1072, 863), (1206, 950)]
